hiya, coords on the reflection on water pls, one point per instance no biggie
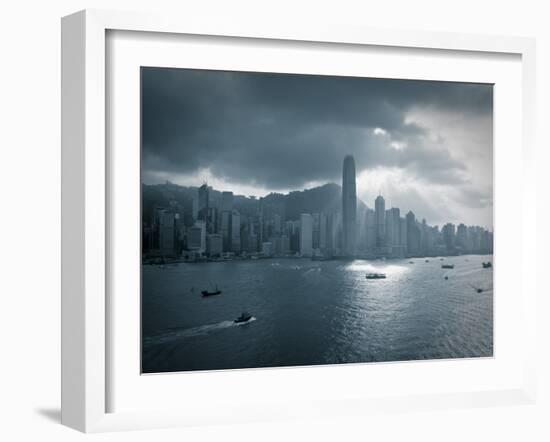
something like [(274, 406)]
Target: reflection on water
[(315, 312)]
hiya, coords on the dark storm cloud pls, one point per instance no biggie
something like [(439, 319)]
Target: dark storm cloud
[(281, 131)]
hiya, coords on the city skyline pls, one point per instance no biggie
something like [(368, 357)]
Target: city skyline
[(426, 146), (369, 207), (205, 225)]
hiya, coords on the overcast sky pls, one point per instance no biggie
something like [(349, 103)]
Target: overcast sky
[(425, 146)]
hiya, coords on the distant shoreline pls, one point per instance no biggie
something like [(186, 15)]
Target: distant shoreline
[(169, 261)]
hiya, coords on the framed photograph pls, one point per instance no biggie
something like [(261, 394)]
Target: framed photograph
[(262, 222)]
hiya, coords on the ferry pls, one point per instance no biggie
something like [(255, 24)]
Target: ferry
[(376, 276)]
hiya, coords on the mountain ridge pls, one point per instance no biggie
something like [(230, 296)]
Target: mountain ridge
[(320, 199)]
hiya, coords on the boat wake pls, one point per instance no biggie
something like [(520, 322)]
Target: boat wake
[(175, 334)]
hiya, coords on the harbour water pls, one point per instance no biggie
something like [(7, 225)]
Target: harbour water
[(314, 312)]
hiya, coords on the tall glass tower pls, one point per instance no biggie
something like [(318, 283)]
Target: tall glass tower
[(380, 215), (349, 206)]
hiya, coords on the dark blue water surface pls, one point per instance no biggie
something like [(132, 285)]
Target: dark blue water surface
[(309, 312)]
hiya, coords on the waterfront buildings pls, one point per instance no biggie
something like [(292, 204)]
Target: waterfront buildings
[(206, 223)]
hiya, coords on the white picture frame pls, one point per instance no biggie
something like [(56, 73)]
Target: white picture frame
[(86, 356)]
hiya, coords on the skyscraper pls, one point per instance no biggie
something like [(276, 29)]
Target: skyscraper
[(226, 230), (227, 201), (166, 229), (196, 237), (203, 203), (323, 231), (236, 232), (413, 235), (380, 217), (393, 227), (349, 206), (461, 237), (370, 225), (403, 242), (306, 234), (449, 236)]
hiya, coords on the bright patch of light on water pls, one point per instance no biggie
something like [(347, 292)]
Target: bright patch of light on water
[(379, 267)]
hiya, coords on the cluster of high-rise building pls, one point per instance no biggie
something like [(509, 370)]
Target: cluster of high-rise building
[(387, 233), (215, 229)]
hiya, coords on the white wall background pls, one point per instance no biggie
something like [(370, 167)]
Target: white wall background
[(30, 216)]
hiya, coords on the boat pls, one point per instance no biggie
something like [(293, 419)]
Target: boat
[(487, 265), (376, 276), (411, 262), (427, 260), (448, 266), (245, 317), (211, 293), (446, 277)]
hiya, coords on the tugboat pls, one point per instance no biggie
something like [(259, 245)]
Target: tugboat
[(487, 265), (245, 317), (376, 276), (211, 293), (448, 266)]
